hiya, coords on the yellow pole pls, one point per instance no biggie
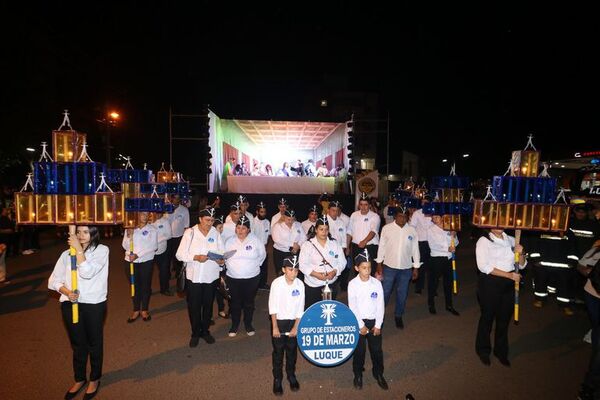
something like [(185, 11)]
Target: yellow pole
[(517, 256), (131, 266), (454, 279), (73, 254)]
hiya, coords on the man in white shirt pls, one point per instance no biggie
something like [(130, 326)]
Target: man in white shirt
[(243, 205), (422, 222), (364, 228), (262, 229), (180, 221), (282, 205), (231, 221), (337, 227), (398, 261), (312, 219)]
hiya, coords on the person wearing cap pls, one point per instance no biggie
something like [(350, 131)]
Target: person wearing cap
[(422, 223), (346, 221), (180, 221), (287, 237), (311, 220), (364, 228), (262, 229), (231, 221), (365, 299), (145, 244), (218, 225), (163, 228), (442, 244), (243, 274), (583, 231), (286, 306), (243, 203), (321, 261), (495, 254), (398, 261), (202, 273), (282, 206)]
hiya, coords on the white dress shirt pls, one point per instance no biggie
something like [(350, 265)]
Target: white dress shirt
[(337, 229), (360, 226), (228, 230), (180, 220), (275, 219), (145, 243), (248, 257), (346, 220), (163, 228), (194, 243), (306, 225), (284, 236), (398, 247), (248, 215), (92, 275), (311, 260), (286, 301), (421, 223), (496, 253), (262, 229), (365, 299), (439, 241)]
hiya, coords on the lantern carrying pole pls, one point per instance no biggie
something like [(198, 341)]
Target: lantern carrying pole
[(73, 256), (131, 274), (454, 277), (517, 256)]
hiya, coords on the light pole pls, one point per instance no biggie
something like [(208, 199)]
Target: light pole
[(110, 120)]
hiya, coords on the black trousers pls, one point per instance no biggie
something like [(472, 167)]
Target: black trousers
[(142, 274), (496, 299), (374, 343), (424, 255), (200, 298), (172, 246), (592, 375), (243, 293), (278, 257), (220, 299), (87, 338), (264, 272), (439, 267), (562, 278), (164, 274), (313, 295), (287, 345)]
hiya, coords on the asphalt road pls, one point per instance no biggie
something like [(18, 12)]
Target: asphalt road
[(432, 358)]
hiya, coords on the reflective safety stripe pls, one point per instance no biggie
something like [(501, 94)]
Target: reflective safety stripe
[(550, 237), (563, 299), (579, 232), (535, 255), (552, 264), (538, 294), (551, 289), (573, 257)]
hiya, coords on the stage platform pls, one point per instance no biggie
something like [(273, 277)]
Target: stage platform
[(280, 184)]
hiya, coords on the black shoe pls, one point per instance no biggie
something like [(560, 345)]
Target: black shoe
[(399, 323), (277, 388), (432, 310), (130, 320), (357, 381), (503, 360), (167, 293), (485, 359), (381, 382), (452, 311), (208, 338), (148, 318), (294, 385), (194, 341), (90, 396), (72, 395)]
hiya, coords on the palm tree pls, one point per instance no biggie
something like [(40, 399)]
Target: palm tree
[(328, 312)]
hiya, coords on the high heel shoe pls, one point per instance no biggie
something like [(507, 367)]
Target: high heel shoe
[(72, 395), (90, 396)]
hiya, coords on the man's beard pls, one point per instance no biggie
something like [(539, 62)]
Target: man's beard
[(261, 217)]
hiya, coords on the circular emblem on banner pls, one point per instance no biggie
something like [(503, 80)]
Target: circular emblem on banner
[(328, 333), (366, 185)]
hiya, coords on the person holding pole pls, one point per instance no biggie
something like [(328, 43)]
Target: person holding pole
[(88, 291), (495, 252)]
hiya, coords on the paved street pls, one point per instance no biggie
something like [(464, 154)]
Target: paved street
[(433, 358)]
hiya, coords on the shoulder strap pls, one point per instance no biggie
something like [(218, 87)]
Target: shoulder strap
[(325, 262)]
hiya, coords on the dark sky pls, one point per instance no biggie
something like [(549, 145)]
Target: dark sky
[(453, 79)]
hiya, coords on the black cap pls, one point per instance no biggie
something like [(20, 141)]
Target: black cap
[(261, 205), (244, 221), (334, 203), (218, 220), (291, 262), (289, 213), (322, 220), (361, 257), (313, 208), (207, 212), (282, 202), (242, 199), (235, 206), (364, 196)]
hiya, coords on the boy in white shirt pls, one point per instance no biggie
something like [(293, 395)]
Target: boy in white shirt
[(286, 306)]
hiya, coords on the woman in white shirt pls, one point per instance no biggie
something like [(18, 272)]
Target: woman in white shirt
[(92, 285), (442, 245), (243, 274), (287, 237), (145, 244), (201, 272), (496, 291), (163, 229), (322, 260)]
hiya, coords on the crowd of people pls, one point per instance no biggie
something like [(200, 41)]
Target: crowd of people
[(298, 168), (224, 258)]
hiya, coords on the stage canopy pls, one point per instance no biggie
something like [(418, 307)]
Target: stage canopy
[(273, 143)]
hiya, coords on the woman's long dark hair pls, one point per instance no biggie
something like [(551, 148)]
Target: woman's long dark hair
[(312, 231), (94, 237)]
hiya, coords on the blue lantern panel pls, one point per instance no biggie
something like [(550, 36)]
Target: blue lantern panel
[(44, 178), (84, 181), (65, 177), (412, 202)]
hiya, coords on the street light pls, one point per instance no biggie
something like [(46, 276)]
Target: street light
[(113, 117), (466, 155), (30, 149), (445, 160)]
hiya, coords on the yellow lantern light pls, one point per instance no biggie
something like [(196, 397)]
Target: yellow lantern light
[(65, 209), (25, 207), (109, 208), (559, 217), (451, 222), (506, 215), (45, 209), (485, 213), (67, 145), (85, 210), (542, 216), (524, 216)]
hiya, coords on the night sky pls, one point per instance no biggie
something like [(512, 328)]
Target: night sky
[(454, 80)]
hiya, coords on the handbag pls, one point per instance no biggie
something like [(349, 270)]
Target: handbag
[(182, 277), (223, 288)]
